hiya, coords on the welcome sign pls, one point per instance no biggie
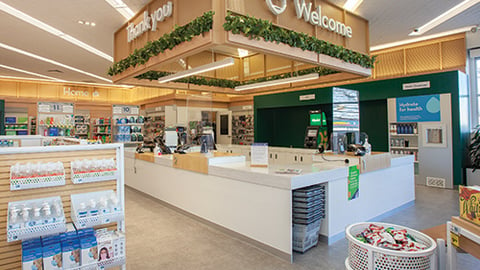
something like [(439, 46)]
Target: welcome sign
[(418, 109)]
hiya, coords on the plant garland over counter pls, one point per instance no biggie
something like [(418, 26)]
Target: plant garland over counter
[(224, 83), (254, 28), (179, 35)]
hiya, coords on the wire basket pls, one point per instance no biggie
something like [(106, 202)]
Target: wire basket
[(363, 256)]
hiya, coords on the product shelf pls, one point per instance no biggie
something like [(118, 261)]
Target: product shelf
[(37, 182), (90, 177), (101, 219), (112, 262), (35, 231), (403, 147), (404, 135), (130, 124)]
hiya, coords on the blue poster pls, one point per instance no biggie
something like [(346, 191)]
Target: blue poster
[(418, 109)]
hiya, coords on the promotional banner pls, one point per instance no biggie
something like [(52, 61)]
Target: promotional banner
[(353, 182), (418, 109)]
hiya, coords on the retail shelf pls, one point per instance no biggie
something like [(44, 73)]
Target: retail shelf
[(16, 123), (89, 177), (115, 261), (23, 129), (35, 231), (404, 148), (37, 182), (102, 124), (404, 135), (107, 133), (79, 134), (101, 219)]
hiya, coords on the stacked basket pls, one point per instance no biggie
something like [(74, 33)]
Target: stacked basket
[(308, 212)]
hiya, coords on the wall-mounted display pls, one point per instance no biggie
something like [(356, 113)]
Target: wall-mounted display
[(93, 170), (36, 175), (55, 119), (96, 208), (127, 124)]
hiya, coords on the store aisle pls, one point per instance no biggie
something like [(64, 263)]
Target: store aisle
[(161, 238)]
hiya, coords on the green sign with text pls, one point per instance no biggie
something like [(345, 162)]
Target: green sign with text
[(353, 182)]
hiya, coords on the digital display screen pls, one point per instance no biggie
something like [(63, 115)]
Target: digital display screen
[(312, 133), (316, 119)]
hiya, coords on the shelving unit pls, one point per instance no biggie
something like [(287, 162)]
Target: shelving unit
[(404, 140), (242, 128), (55, 119), (16, 124), (33, 125), (82, 126), (154, 126), (10, 251), (127, 124), (102, 129)]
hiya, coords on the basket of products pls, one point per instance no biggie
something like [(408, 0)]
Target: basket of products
[(383, 246)]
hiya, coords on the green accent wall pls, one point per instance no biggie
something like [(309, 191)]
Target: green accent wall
[(277, 108), (2, 117)]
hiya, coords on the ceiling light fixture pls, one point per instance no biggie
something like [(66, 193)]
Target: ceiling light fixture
[(311, 76), (29, 72), (422, 38), (352, 5), (444, 17), (242, 52), (52, 30), (201, 69), (5, 46), (122, 8), (64, 81)]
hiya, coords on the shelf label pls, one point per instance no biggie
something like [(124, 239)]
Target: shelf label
[(455, 239)]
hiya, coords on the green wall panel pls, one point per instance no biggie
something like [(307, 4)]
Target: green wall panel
[(373, 121)]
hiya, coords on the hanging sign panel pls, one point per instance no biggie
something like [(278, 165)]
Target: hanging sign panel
[(353, 182), (418, 109)]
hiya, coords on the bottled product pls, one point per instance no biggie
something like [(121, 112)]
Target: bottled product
[(368, 147)]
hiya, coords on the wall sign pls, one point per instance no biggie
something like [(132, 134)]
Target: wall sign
[(149, 22), (49, 107), (416, 85), (124, 109), (313, 16), (68, 91), (418, 109), (307, 97)]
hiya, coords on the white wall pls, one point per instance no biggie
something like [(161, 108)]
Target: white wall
[(473, 40)]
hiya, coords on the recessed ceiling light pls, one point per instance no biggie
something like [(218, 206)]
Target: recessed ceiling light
[(87, 23), (444, 17), (52, 30), (352, 5), (5, 46), (28, 72), (242, 52), (81, 22), (92, 24), (122, 8)]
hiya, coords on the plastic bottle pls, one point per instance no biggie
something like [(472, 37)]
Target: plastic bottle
[(368, 147), (93, 211), (57, 207), (415, 131), (37, 217), (25, 215), (47, 214), (82, 210), (14, 224), (104, 209), (115, 206)]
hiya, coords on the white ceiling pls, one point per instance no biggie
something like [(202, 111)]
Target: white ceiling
[(390, 20)]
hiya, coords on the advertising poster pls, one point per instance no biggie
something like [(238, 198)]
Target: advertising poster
[(353, 182), (418, 109)]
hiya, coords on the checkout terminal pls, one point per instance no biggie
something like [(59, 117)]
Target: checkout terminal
[(316, 132)]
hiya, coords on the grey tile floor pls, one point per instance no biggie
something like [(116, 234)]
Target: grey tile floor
[(161, 238)]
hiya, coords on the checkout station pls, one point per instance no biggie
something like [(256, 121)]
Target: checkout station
[(254, 203)]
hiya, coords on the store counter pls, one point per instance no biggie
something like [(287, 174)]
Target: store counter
[(255, 204)]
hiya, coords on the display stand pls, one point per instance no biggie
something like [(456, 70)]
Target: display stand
[(102, 129), (127, 124), (82, 126), (464, 235), (242, 127), (55, 119), (10, 252), (404, 140)]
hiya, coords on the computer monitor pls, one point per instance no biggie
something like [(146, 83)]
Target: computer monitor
[(312, 132)]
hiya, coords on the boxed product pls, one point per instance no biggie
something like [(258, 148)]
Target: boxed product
[(71, 253), (52, 256), (119, 244), (105, 244), (32, 257), (470, 203), (88, 246)]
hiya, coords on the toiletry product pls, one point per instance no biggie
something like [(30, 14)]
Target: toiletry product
[(52, 255), (88, 249), (368, 147), (32, 255)]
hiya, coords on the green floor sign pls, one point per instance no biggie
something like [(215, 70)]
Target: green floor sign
[(353, 177)]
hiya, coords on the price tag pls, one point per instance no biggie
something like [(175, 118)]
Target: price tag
[(455, 239)]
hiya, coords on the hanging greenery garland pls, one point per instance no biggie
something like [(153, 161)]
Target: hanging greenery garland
[(224, 83), (254, 28)]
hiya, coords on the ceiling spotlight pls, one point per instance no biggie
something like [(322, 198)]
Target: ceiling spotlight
[(81, 22), (242, 52), (93, 24), (87, 23)]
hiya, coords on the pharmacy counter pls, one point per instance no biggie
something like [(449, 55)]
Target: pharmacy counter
[(255, 204)]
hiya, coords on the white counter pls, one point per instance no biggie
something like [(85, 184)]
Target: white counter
[(256, 203)]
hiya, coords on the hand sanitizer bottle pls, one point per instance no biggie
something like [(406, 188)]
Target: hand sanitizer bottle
[(82, 210), (14, 224), (25, 216), (114, 203), (93, 208), (57, 207), (368, 147), (37, 218)]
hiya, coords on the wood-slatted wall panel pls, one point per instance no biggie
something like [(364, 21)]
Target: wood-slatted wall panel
[(390, 64), (10, 253), (423, 58), (454, 54)]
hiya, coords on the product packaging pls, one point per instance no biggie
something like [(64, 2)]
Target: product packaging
[(470, 203), (88, 246), (105, 244), (71, 253), (32, 257), (119, 244), (52, 255)]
